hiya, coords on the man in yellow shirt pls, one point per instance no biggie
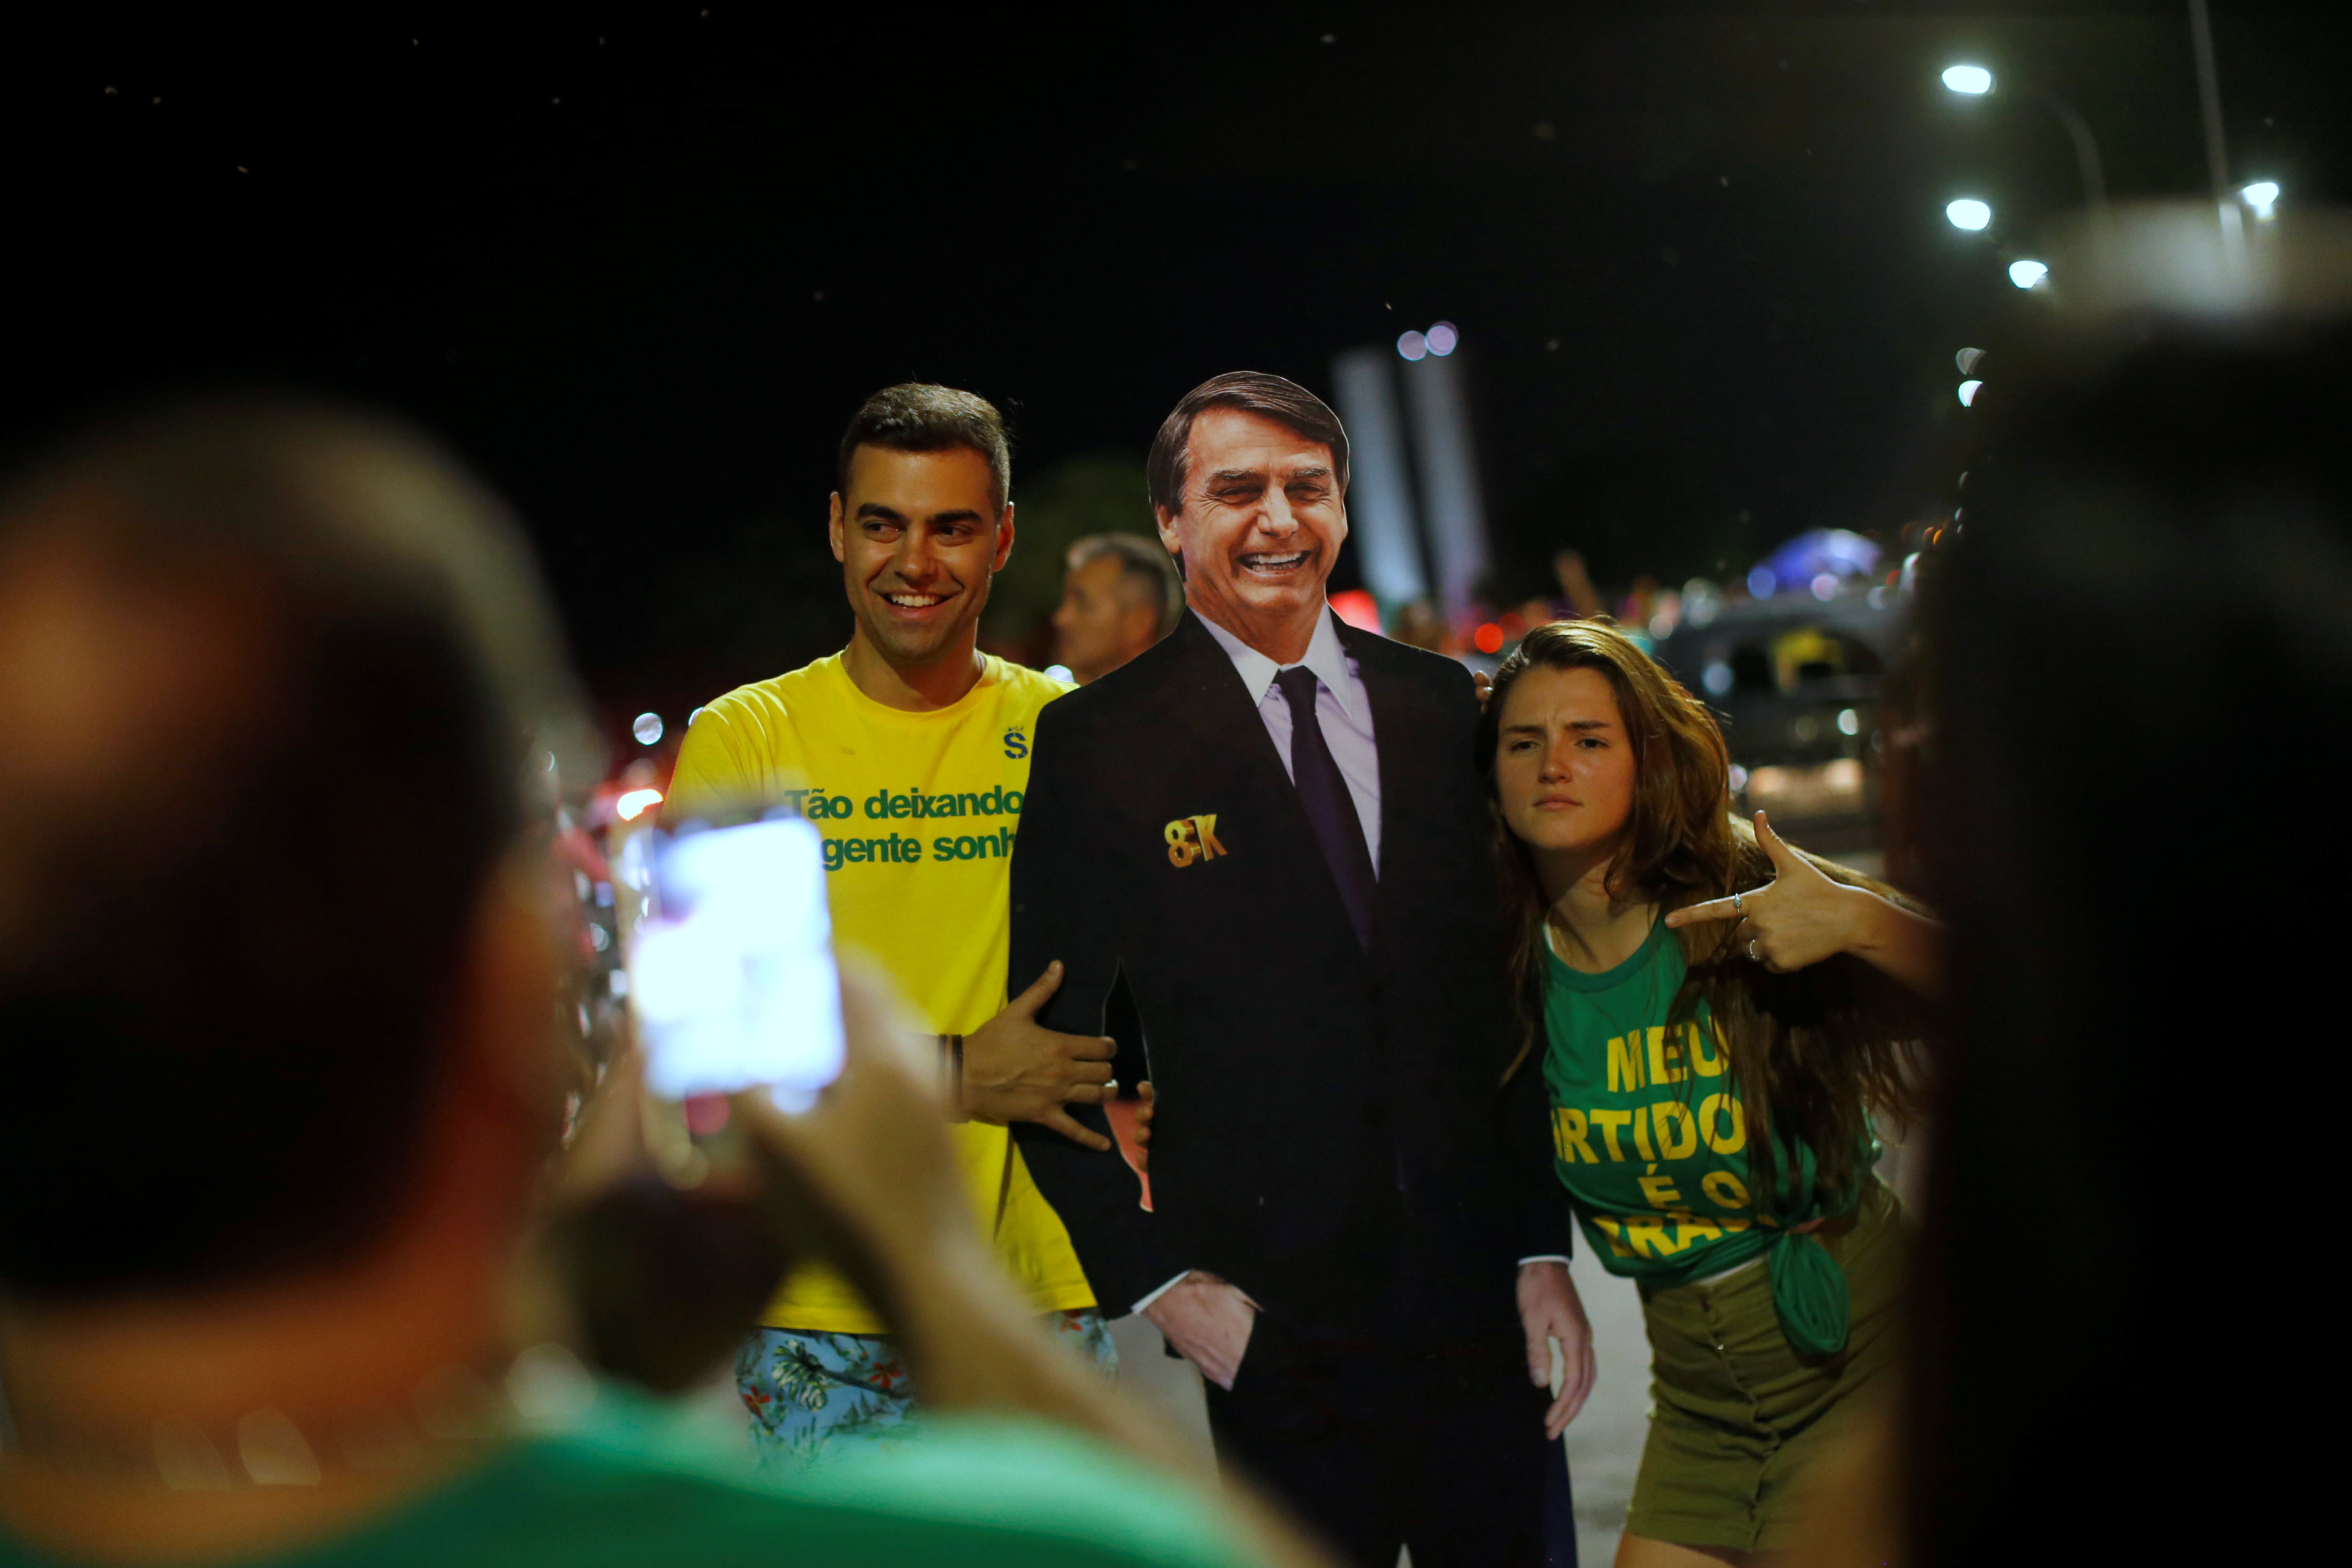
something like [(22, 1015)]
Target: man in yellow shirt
[(908, 752)]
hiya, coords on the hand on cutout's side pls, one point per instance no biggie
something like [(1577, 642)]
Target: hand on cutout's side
[(1017, 1069)]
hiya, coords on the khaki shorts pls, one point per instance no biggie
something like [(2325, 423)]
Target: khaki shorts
[(1737, 1414)]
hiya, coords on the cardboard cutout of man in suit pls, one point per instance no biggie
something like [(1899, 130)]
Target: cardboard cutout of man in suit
[(1272, 824)]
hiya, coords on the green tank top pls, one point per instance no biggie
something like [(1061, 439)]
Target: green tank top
[(1650, 1139)]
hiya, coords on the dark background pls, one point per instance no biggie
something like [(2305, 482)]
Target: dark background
[(639, 263)]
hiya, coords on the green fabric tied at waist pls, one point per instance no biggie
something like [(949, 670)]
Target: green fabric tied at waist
[(1809, 1294)]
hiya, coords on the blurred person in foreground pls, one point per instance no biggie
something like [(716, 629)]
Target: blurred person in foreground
[(1714, 1015), (1271, 826), (908, 752), (279, 1106), (2140, 658), (1120, 595)]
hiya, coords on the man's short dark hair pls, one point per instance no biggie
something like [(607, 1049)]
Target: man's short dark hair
[(1144, 568), (226, 967), (1253, 391), (917, 416)]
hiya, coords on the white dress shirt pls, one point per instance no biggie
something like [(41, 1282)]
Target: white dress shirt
[(1342, 707)]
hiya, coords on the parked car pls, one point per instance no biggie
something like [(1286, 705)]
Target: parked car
[(1797, 680)]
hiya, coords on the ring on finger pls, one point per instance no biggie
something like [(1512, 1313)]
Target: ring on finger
[(1738, 907)]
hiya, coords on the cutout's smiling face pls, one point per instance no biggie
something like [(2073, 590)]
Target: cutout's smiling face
[(919, 538), (1262, 522)]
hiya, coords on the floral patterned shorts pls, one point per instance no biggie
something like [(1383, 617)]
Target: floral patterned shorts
[(807, 1390)]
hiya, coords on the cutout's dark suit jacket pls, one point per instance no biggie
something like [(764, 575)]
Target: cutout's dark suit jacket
[(1330, 1136)]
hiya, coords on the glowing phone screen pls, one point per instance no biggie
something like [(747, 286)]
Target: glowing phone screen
[(733, 976)]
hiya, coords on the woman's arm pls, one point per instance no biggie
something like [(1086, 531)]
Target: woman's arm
[(1901, 941), (1804, 915)]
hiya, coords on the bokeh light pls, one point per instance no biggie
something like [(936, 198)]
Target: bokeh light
[(647, 729), (1357, 608), (1973, 80), (1970, 214)]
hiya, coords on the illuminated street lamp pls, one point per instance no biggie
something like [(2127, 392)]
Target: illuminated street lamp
[(1976, 81), (2262, 196), (2028, 274), (1970, 214)]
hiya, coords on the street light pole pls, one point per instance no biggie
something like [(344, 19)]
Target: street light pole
[(1975, 82), (2086, 152), (2209, 96)]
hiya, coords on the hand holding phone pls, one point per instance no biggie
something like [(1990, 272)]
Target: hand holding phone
[(732, 973)]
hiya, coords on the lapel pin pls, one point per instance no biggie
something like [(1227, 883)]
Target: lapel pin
[(1192, 838)]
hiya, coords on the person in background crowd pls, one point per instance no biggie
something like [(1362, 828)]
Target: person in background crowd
[(1121, 595), (279, 1106), (1710, 1089), (1271, 825), (1582, 600), (1417, 624), (909, 751)]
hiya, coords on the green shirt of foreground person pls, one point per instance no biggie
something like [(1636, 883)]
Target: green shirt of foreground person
[(255, 1302), (977, 1492)]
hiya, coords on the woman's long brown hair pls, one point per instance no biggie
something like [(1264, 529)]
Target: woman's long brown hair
[(1808, 1051)]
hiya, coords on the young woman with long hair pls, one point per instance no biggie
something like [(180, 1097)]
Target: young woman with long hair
[(1715, 1015)]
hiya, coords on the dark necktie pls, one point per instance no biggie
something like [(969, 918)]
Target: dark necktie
[(1330, 810)]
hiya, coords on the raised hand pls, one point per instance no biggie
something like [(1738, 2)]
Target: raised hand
[(1017, 1069), (1801, 917)]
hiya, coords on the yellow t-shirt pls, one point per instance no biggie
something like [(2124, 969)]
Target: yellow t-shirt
[(918, 812)]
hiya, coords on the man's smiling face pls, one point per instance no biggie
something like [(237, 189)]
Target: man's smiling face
[(1262, 521), (919, 536)]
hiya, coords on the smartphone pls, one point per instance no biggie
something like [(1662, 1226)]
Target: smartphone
[(732, 973)]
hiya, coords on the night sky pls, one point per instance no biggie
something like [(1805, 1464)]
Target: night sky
[(640, 264)]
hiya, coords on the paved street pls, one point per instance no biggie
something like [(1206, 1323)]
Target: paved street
[(1604, 1443)]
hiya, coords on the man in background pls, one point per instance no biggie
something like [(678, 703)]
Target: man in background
[(279, 1099), (1121, 595), (909, 752)]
